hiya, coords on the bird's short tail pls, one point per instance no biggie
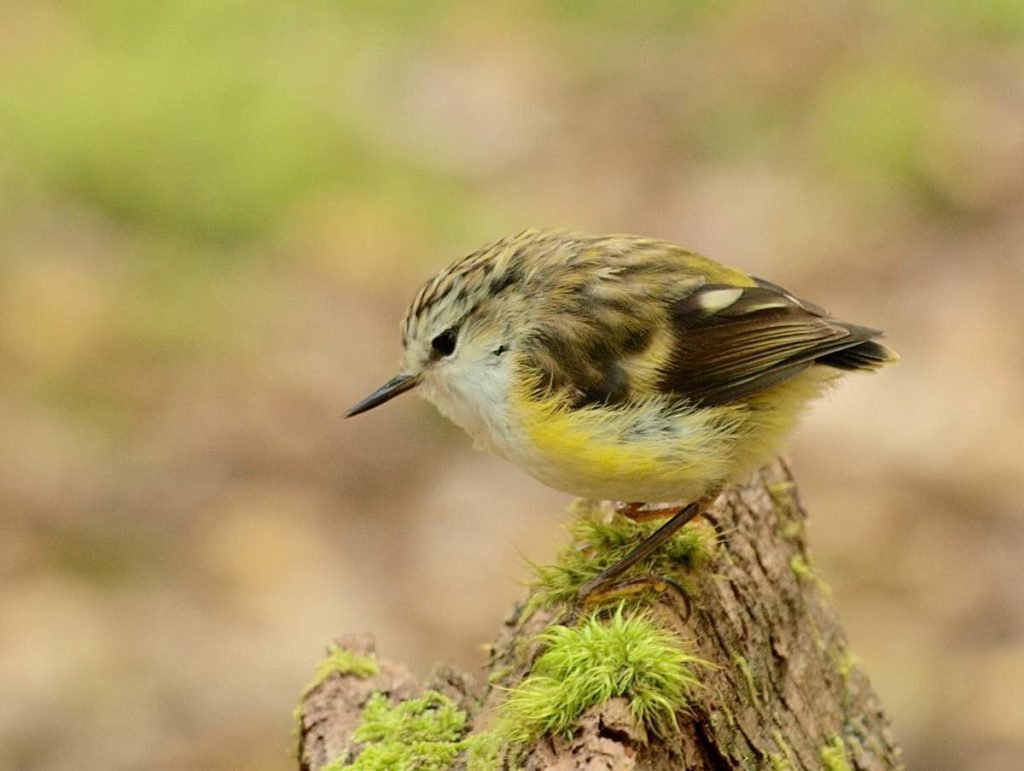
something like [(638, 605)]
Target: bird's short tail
[(867, 354)]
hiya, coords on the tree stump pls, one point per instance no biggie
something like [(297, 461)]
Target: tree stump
[(782, 689)]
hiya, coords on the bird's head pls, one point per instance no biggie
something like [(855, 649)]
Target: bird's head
[(459, 330)]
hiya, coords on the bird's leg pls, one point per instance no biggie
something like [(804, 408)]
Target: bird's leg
[(604, 584)]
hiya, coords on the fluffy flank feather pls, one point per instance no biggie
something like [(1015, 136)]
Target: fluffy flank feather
[(661, 449)]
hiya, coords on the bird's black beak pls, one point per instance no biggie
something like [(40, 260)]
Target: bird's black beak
[(399, 384)]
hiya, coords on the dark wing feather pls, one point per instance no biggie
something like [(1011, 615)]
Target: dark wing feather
[(731, 342)]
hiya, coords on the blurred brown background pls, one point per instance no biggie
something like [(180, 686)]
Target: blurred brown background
[(212, 215)]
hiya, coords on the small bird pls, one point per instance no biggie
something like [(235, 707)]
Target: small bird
[(620, 368)]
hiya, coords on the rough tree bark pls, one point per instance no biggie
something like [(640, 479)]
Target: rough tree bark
[(786, 693)]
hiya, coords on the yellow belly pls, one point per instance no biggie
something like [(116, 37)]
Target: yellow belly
[(655, 449)]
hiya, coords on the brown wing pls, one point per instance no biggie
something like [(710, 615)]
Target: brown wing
[(733, 342)]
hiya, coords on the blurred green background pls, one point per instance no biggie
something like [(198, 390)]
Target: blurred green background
[(213, 213)]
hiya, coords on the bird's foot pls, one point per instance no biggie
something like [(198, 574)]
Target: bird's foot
[(646, 512), (602, 591)]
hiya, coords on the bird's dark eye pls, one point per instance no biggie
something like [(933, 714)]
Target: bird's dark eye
[(444, 343)]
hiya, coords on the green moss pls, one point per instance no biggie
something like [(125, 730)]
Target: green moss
[(802, 569), (846, 661), (730, 718), (599, 539), (780, 761), (819, 641), (296, 732), (585, 665), (425, 733), (748, 677), (432, 718), (833, 755), (343, 662), (782, 492), (628, 656), (793, 530), (791, 524), (498, 674), (339, 661), (483, 751)]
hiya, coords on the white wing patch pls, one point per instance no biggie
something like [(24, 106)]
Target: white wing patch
[(715, 300)]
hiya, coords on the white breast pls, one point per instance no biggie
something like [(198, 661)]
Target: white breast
[(475, 398)]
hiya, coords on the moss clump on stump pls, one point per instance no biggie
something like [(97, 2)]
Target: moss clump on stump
[(628, 656), (600, 537), (425, 734), (833, 755), (341, 661)]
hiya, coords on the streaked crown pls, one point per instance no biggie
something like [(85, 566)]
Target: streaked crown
[(465, 292)]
